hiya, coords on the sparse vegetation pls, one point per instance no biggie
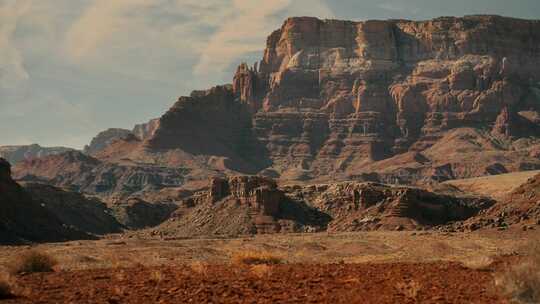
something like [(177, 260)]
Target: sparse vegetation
[(256, 258), (156, 276), (522, 282), (33, 261)]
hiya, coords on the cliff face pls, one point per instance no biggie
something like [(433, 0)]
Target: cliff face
[(331, 96)]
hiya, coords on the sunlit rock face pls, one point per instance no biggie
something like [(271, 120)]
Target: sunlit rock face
[(329, 93)]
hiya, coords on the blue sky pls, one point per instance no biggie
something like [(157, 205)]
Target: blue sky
[(69, 69)]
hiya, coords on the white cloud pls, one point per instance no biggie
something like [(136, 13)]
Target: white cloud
[(246, 31)]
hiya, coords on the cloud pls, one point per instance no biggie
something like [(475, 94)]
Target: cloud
[(149, 40), (246, 31), (12, 70), (100, 23), (210, 34), (400, 8)]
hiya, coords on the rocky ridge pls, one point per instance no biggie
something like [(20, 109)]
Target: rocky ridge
[(253, 205), (15, 154)]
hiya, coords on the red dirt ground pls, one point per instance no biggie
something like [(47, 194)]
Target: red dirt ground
[(440, 282)]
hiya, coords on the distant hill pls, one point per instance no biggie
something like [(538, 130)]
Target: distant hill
[(15, 154)]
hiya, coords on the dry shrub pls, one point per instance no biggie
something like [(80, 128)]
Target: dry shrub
[(5, 286), (522, 282), (409, 289), (261, 270), (199, 267), (256, 258), (478, 263), (156, 276), (33, 261)]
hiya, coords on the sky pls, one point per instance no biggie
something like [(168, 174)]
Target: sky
[(72, 68)]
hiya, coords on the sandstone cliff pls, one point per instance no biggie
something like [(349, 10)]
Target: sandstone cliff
[(331, 98)]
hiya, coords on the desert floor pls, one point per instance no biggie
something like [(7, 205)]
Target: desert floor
[(368, 267)]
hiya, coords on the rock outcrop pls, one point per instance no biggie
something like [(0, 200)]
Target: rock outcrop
[(15, 154), (252, 204), (357, 206), (146, 130), (241, 205)]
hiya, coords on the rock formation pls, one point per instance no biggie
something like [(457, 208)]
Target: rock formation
[(104, 139), (330, 99), (146, 130), (241, 205), (357, 206), (252, 204)]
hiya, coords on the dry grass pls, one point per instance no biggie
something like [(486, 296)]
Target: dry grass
[(6, 286), (156, 276), (409, 289), (33, 261), (522, 282), (478, 263), (256, 258), (261, 270)]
